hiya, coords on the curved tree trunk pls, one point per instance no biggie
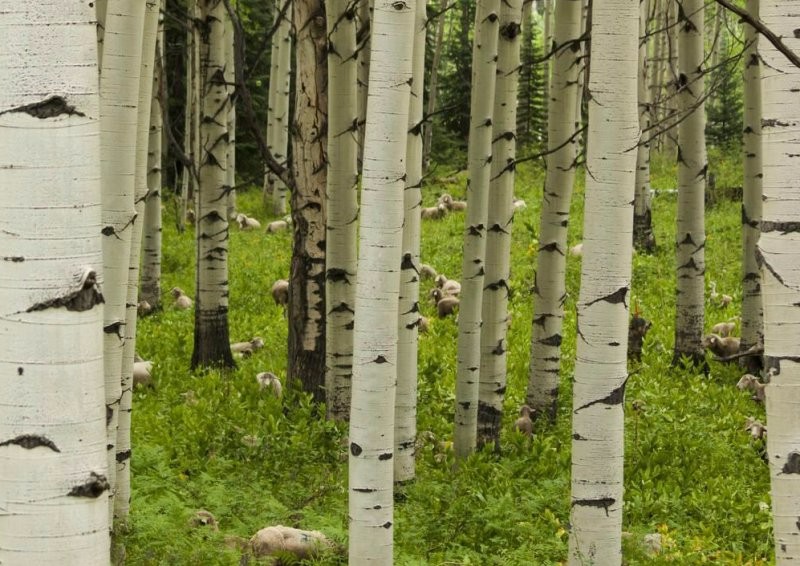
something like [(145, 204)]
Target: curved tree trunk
[(211, 337), (371, 505), (405, 431), (52, 415), (692, 167), (342, 206), (601, 362), (752, 306), (500, 215), (779, 249), (549, 286), (123, 496), (309, 142), (280, 121), (119, 99), (151, 263), (644, 238), (433, 87), (484, 65)]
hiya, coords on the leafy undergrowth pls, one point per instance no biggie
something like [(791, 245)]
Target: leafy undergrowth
[(214, 441)]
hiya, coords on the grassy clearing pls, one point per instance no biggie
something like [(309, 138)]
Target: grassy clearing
[(215, 442)]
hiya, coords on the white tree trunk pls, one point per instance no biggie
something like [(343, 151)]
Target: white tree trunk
[(692, 167), (643, 236), (230, 78), (752, 307), (188, 124), (484, 65), (500, 216), (272, 88), (371, 505), (405, 430), (549, 286), (53, 467), (342, 207), (151, 263), (547, 31), (148, 52), (119, 100), (211, 340), (282, 117), (601, 362), (673, 99), (363, 37), (779, 248)]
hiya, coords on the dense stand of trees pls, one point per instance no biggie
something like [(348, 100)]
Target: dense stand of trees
[(342, 88)]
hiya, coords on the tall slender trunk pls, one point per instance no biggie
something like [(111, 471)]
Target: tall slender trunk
[(484, 65), (526, 73), (211, 336), (433, 87), (673, 79), (548, 16), (601, 361), (151, 263), (644, 238), (188, 123), (549, 285), (230, 78), (272, 89), (779, 251), (657, 67), (123, 496), (342, 204), (280, 122), (363, 38), (371, 505), (309, 143), (752, 306), (405, 428), (119, 99), (690, 237), (52, 415), (500, 215)]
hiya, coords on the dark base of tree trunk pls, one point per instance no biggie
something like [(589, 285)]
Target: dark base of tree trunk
[(489, 422), (690, 360), (212, 345), (644, 239), (306, 365)]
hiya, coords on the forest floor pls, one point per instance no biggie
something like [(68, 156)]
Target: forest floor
[(214, 441)]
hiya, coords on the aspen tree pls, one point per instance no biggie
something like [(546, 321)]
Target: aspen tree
[(601, 361), (500, 216), (230, 79), (643, 237), (280, 123), (53, 466), (405, 431), (779, 250), (342, 204), (752, 307), (433, 87), (484, 68), (549, 286), (371, 505), (690, 235), (211, 337)]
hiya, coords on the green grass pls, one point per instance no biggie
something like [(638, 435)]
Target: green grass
[(214, 441)]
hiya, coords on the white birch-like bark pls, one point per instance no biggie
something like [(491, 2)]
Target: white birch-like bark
[(549, 286), (371, 505), (752, 306), (657, 66), (151, 250), (342, 207), (547, 30), (230, 78), (269, 176), (479, 152), (100, 7), (188, 123), (643, 237), (779, 249), (405, 427), (211, 339), (433, 87), (673, 99), (500, 216), (601, 362), (148, 52), (282, 118), (119, 100), (690, 235), (53, 467)]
